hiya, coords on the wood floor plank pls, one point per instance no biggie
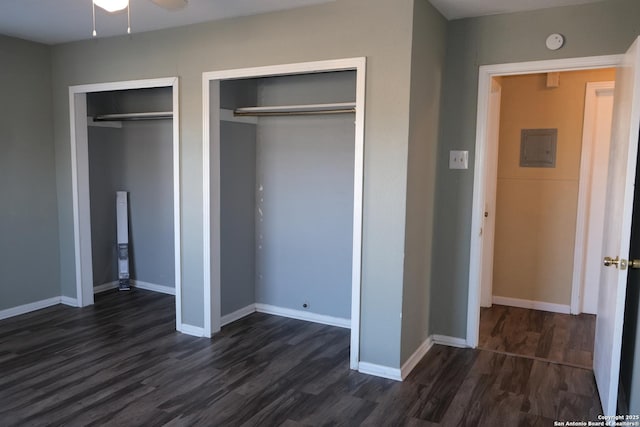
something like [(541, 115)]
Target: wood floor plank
[(121, 362), (556, 337)]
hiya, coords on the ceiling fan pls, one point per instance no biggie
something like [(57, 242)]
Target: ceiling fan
[(113, 6)]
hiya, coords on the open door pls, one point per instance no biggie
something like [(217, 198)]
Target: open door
[(617, 228)]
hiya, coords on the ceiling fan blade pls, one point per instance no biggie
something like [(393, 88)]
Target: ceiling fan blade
[(171, 4)]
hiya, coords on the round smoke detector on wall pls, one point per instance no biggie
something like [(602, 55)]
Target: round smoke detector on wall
[(555, 41)]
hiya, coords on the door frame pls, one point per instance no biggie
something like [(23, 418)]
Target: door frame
[(211, 174), (80, 183), (585, 188), (483, 149), (491, 181)]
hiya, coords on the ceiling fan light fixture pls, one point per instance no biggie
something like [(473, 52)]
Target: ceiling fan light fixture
[(112, 5)]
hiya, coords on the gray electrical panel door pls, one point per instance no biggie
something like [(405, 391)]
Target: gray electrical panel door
[(538, 148)]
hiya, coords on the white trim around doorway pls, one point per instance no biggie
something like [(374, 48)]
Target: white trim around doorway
[(80, 183), (486, 73), (211, 184)]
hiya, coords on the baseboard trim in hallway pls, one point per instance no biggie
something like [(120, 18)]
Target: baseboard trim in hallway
[(534, 305)]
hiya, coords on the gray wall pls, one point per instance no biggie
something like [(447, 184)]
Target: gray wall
[(313, 88), (238, 93), (103, 158), (427, 63), (595, 29), (237, 199), (237, 215), (301, 232), (29, 265), (347, 28), (305, 194), (137, 158), (305, 171), (130, 101)]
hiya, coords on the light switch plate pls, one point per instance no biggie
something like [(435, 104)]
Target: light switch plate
[(458, 159)]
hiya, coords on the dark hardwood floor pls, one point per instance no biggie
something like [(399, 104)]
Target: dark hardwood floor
[(554, 337), (121, 363)]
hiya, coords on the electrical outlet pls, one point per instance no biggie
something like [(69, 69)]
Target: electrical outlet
[(458, 159)]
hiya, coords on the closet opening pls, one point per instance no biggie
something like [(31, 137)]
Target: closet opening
[(283, 162), (130, 150), (124, 138)]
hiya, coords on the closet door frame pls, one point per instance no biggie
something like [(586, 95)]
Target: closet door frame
[(211, 174), (80, 183)]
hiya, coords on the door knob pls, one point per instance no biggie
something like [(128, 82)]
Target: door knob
[(617, 262), (634, 263)]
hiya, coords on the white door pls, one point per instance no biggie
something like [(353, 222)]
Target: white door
[(617, 229), (597, 138)]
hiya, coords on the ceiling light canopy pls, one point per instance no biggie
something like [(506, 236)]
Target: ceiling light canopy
[(112, 5)]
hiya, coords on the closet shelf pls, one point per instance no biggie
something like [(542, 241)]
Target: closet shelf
[(155, 115), (297, 110)]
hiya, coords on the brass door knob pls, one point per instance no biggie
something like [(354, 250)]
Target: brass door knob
[(608, 261), (616, 262), (634, 263)]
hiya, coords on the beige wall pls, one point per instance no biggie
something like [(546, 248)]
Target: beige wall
[(536, 207)]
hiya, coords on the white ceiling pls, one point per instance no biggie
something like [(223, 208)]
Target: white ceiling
[(59, 21), (455, 9)]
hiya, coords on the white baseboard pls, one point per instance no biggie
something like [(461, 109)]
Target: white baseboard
[(449, 341), (138, 284), (534, 305), (416, 357), (424, 348), (72, 302), (105, 287), (304, 315), (380, 371), (195, 331), (153, 287), (28, 308), (237, 315)]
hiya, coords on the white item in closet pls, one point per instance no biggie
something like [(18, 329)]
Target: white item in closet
[(122, 225)]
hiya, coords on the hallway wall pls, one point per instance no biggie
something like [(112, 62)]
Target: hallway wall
[(537, 207), (602, 28)]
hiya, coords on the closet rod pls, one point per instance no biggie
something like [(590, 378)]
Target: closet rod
[(297, 110), (294, 113), (155, 115)]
